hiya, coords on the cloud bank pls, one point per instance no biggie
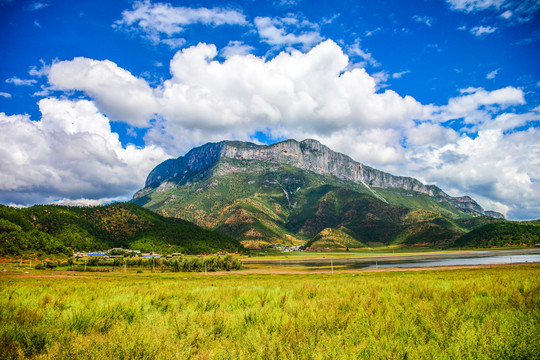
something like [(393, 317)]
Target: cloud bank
[(69, 153), (475, 144)]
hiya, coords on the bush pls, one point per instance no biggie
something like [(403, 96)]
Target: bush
[(197, 264), (93, 261)]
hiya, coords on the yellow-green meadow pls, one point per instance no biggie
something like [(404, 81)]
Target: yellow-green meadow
[(484, 313)]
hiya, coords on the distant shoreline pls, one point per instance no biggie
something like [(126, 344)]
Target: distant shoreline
[(247, 272), (457, 254)]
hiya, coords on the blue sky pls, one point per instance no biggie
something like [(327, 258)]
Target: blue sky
[(94, 94)]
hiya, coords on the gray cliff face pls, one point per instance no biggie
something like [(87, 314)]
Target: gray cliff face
[(308, 155), (195, 160)]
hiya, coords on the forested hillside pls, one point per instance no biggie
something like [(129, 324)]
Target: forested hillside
[(501, 234), (51, 229)]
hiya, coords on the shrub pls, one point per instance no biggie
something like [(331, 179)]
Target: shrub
[(93, 261), (197, 264)]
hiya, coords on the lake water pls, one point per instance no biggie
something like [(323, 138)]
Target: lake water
[(415, 261)]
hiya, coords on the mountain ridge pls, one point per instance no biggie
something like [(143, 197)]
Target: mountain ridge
[(302, 192), (308, 154)]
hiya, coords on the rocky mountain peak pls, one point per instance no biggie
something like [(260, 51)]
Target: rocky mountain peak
[(309, 155)]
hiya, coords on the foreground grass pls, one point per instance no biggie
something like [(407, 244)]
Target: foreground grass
[(489, 313)]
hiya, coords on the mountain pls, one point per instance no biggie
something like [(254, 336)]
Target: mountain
[(293, 192), (61, 229)]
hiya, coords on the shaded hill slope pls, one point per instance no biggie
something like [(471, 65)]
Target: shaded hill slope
[(502, 234), (59, 229)]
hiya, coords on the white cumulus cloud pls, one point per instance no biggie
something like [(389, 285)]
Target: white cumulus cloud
[(499, 170), (476, 105), (69, 153), (120, 95), (295, 91), (310, 91)]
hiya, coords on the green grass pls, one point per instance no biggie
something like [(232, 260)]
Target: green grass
[(489, 313)]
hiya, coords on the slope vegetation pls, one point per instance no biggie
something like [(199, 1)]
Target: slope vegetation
[(61, 229), (502, 234), (260, 203)]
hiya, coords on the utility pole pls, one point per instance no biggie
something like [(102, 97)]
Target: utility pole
[(332, 265)]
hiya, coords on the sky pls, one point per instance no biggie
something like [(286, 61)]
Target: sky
[(95, 94)]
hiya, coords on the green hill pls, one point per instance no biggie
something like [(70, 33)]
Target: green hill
[(502, 234), (54, 229), (334, 239)]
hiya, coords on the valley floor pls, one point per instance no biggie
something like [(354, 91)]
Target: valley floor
[(480, 313)]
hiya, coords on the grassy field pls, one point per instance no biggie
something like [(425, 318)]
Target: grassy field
[(486, 313)]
